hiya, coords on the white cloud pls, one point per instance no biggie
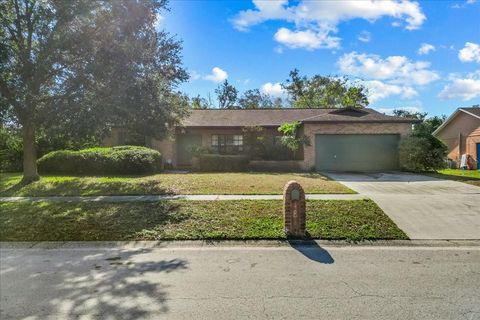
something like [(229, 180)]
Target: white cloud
[(469, 53), (194, 75), (378, 90), (158, 20), (425, 48), (462, 88), (217, 75), (273, 89), (364, 36), (396, 69), (306, 39), (315, 21)]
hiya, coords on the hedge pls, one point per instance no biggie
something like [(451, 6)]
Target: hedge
[(222, 163), (115, 160)]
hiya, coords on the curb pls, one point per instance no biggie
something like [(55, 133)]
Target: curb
[(212, 244)]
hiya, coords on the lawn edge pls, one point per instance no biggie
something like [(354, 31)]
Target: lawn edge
[(229, 244)]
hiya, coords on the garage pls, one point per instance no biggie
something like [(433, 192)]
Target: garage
[(356, 152)]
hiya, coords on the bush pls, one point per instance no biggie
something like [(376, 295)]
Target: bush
[(422, 153), (222, 163), (100, 161)]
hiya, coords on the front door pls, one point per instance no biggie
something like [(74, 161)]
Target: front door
[(185, 145)]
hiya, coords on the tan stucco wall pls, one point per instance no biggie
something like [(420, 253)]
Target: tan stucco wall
[(310, 130), (469, 127)]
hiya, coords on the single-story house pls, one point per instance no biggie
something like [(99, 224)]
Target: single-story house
[(340, 139), (461, 134)]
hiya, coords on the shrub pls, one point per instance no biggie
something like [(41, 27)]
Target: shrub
[(116, 160), (222, 163), (422, 153)]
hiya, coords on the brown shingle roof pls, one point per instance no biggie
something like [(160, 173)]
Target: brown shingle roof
[(276, 117), (474, 110)]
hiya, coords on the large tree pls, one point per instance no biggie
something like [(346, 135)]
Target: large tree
[(83, 66), (255, 99), (324, 92), (227, 95)]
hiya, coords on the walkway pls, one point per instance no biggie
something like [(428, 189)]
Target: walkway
[(198, 197)]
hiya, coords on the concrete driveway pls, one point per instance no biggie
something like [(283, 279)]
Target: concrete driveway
[(422, 206)]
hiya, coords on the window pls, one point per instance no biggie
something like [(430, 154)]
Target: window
[(227, 143)]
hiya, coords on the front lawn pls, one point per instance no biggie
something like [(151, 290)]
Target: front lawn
[(165, 183), (468, 176), (181, 219)]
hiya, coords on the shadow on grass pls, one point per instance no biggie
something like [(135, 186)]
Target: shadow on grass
[(84, 186), (311, 250), (104, 284), (88, 221)]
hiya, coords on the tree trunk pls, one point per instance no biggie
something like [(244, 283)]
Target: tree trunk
[(30, 172)]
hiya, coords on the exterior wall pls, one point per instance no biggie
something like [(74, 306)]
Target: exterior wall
[(311, 129), (168, 148), (461, 136)]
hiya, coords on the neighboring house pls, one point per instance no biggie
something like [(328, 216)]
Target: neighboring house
[(340, 139), (461, 133)]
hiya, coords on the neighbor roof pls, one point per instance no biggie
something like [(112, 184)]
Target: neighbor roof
[(472, 111), (276, 117)]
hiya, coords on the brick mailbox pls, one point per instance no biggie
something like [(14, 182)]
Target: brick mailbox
[(294, 209)]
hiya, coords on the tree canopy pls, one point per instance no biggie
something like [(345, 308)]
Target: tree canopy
[(324, 92), (82, 67)]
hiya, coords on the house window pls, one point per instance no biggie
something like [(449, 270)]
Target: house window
[(227, 143)]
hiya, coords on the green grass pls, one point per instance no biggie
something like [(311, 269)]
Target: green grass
[(174, 183), (468, 176), (182, 219)]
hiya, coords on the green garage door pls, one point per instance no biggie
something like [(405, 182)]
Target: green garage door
[(353, 152)]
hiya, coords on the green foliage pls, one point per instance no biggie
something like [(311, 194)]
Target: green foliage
[(291, 137), (79, 67), (200, 103), (255, 139), (101, 161), (226, 95), (324, 92), (422, 151), (10, 150), (199, 150), (254, 99), (222, 163)]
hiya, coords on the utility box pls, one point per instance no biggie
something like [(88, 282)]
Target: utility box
[(294, 209)]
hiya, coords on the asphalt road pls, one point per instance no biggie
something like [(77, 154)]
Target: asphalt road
[(238, 282)]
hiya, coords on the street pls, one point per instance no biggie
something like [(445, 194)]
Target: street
[(224, 281)]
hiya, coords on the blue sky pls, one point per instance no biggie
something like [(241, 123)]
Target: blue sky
[(419, 55)]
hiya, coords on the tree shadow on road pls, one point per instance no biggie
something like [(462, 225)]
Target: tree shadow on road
[(99, 284), (312, 251)]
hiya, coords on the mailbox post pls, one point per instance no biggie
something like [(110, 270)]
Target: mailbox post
[(294, 209)]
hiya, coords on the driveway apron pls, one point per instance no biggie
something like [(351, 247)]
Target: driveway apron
[(422, 206)]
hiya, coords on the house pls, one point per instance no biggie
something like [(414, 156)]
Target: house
[(340, 139), (461, 134)]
